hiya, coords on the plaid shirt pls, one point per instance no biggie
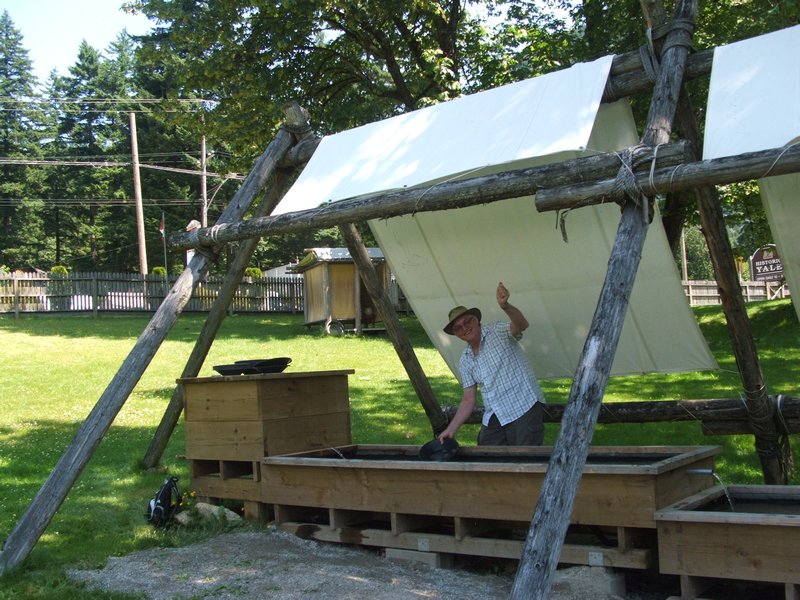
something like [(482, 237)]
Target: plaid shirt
[(507, 384)]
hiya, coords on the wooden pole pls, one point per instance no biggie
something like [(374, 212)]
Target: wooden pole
[(731, 410), (137, 194), (211, 326), (402, 345), (557, 495), (688, 176), (275, 190), (51, 495), (456, 194), (775, 458)]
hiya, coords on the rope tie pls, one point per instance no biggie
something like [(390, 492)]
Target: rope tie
[(649, 62), (297, 130), (786, 148), (625, 186)]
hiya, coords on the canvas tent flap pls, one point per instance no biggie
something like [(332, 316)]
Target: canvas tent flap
[(457, 257), (754, 94), (534, 117), (452, 257), (754, 104)]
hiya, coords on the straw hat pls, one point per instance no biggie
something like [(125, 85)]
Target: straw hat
[(458, 311)]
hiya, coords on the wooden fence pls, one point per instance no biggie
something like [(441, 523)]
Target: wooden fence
[(706, 292), (127, 292)]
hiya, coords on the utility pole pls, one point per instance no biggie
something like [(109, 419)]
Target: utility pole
[(203, 188), (137, 193)]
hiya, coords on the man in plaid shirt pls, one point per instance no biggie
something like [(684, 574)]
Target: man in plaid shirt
[(493, 360)]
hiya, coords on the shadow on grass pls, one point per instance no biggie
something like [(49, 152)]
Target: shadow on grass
[(186, 329), (103, 514)]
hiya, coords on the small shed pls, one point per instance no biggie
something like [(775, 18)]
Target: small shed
[(333, 294)]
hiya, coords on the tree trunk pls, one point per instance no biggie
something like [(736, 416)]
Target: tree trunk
[(557, 496)]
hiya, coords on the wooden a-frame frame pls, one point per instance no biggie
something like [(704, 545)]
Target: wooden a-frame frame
[(540, 556)]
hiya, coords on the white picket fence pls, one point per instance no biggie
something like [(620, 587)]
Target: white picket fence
[(128, 292)]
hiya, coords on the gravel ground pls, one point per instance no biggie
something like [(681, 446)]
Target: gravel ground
[(277, 565)]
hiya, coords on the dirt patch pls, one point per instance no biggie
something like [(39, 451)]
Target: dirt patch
[(276, 565)]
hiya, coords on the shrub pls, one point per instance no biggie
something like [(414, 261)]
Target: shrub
[(59, 270), (161, 271), (253, 273)]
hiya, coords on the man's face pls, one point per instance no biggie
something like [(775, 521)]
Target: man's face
[(467, 328)]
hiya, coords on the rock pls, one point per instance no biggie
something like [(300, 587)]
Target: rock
[(207, 512), (598, 583)]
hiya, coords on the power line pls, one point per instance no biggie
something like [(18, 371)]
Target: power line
[(102, 201), (79, 163)]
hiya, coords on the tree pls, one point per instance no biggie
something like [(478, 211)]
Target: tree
[(347, 62), (22, 243)]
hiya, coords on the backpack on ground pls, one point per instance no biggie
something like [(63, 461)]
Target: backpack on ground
[(163, 506)]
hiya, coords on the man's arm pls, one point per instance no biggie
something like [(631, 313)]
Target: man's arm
[(463, 413), (518, 321)]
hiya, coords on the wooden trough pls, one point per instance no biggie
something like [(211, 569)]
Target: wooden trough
[(738, 532), (481, 502)]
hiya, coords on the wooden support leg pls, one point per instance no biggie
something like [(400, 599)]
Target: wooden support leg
[(792, 591), (257, 512), (692, 587)]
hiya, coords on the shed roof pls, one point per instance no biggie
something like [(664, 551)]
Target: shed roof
[(315, 256)]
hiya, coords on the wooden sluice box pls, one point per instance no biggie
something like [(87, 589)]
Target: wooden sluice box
[(233, 422), (741, 532), (481, 502)]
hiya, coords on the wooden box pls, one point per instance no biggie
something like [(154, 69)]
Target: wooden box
[(755, 539), (247, 417), (232, 422)]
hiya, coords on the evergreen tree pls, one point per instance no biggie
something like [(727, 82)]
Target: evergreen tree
[(22, 242)]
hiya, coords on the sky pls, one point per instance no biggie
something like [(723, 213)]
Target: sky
[(52, 30)]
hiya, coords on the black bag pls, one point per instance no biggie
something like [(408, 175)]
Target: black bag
[(164, 505)]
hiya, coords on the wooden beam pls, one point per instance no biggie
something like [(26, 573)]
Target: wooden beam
[(729, 410), (557, 495), (51, 495), (775, 458), (688, 176), (455, 194), (394, 329)]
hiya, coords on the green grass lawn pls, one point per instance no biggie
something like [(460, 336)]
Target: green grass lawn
[(54, 369)]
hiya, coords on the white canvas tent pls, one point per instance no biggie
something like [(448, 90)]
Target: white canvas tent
[(754, 104), (446, 258)]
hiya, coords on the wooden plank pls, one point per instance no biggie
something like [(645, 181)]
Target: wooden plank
[(602, 500), (751, 552), (256, 512), (232, 489), (221, 401), (242, 440), (493, 548), (303, 433), (300, 396)]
